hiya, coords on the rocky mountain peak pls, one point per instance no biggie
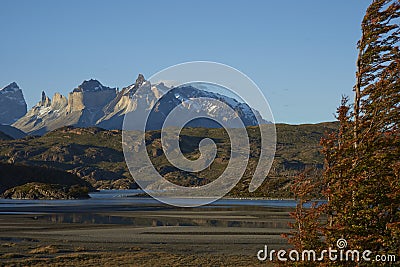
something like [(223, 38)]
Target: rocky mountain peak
[(43, 96), (59, 101), (45, 102), (91, 86), (12, 104), (140, 80), (12, 87)]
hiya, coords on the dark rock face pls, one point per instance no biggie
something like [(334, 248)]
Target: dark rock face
[(91, 86), (12, 104)]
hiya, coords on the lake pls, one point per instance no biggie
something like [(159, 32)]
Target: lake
[(120, 200)]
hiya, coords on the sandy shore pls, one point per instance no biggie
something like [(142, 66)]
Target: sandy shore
[(215, 236)]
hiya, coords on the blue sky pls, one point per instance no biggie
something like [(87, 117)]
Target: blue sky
[(300, 53)]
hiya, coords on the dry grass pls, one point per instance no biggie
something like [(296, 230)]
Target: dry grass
[(45, 250), (79, 249), (8, 245), (11, 256), (150, 259)]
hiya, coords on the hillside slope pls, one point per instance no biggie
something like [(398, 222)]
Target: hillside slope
[(96, 156)]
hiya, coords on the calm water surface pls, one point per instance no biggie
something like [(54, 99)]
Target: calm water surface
[(119, 200)]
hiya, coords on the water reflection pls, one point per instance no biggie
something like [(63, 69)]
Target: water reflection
[(280, 220), (123, 208)]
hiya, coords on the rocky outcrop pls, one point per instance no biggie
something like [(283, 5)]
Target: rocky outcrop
[(90, 95), (120, 184), (12, 104), (15, 175), (59, 102), (40, 118), (83, 107), (129, 100), (45, 102), (46, 191)]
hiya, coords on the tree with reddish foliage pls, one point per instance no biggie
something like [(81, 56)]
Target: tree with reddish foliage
[(365, 200), (361, 180), (306, 228)]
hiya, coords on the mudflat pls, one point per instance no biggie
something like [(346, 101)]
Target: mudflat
[(146, 236)]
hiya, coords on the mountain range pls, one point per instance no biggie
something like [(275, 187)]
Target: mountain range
[(94, 104)]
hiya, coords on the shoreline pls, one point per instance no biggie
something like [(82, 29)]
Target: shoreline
[(232, 235), (150, 197)]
